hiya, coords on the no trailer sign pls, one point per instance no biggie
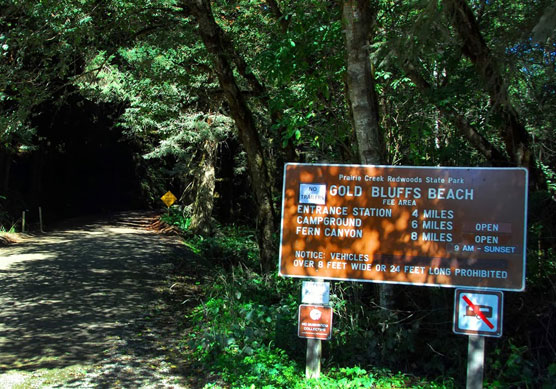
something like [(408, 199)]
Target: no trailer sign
[(432, 226), (478, 312)]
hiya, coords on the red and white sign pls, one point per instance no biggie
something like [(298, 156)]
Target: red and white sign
[(478, 312), (315, 322)]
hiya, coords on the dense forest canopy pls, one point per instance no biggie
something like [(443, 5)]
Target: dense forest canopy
[(149, 60), (198, 86), (107, 104)]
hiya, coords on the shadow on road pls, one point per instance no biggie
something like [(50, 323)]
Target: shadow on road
[(66, 295)]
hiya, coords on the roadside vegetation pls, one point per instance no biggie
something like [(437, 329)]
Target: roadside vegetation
[(245, 330)]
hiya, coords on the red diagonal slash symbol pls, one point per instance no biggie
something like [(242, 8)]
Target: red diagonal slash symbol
[(478, 312)]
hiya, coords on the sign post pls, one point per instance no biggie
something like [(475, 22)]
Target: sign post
[(315, 322), (312, 359), (477, 314), (475, 362), (168, 198), (40, 220)]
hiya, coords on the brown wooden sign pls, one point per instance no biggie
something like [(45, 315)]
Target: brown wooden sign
[(409, 225), (315, 322)]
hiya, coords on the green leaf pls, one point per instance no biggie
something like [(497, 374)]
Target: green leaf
[(86, 19)]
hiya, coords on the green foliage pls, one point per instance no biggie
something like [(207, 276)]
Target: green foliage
[(240, 247), (356, 377), (231, 245), (301, 66), (245, 333), (235, 329), (365, 333), (514, 369), (245, 330), (176, 217), (265, 368), (172, 105)]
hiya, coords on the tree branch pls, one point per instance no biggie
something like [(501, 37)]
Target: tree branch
[(516, 138), (462, 125)]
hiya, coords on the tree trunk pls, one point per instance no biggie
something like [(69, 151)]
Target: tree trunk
[(204, 191), (211, 35), (516, 138), (275, 9), (358, 18), (288, 151)]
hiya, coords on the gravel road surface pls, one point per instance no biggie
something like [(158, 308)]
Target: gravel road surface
[(86, 306)]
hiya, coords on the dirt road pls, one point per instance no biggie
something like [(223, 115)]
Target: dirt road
[(85, 307)]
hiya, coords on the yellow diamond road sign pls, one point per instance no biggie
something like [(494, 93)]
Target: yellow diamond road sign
[(168, 199)]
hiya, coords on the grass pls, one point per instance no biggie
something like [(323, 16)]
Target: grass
[(7, 238)]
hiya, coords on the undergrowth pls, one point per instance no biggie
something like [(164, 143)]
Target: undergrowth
[(7, 225), (230, 245), (245, 331)]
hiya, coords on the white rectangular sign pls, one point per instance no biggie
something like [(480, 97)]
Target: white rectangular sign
[(312, 194), (315, 292)]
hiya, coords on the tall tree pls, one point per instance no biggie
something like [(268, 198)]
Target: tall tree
[(215, 43), (358, 18), (516, 138), (204, 200)]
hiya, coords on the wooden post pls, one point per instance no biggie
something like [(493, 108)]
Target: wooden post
[(40, 219), (314, 352), (23, 222), (475, 362)]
